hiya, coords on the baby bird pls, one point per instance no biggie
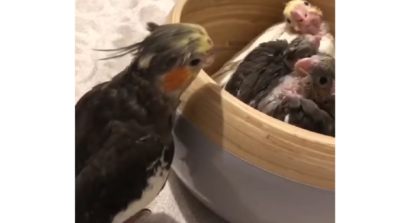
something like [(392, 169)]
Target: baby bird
[(304, 18), (301, 18), (262, 69), (306, 97)]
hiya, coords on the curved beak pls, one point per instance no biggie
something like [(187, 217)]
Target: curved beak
[(305, 65), (299, 14)]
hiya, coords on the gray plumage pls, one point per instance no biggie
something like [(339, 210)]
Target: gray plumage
[(312, 106), (262, 68), (264, 76), (123, 127)]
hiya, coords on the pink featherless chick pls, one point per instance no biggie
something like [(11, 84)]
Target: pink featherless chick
[(305, 18)]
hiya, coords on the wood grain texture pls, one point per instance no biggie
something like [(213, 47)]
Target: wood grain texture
[(267, 143)]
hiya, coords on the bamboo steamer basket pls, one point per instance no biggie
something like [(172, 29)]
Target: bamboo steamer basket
[(242, 164)]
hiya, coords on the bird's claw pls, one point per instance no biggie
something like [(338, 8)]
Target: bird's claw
[(291, 102), (312, 109), (309, 106)]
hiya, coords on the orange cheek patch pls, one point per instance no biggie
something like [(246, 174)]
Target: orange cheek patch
[(175, 79)]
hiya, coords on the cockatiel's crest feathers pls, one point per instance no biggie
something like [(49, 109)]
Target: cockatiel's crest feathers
[(167, 42), (120, 52), (171, 54), (151, 26)]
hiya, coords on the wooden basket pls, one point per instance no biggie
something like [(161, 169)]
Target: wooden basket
[(272, 145)]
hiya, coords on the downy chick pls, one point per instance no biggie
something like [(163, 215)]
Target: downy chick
[(306, 97), (301, 18), (124, 146), (262, 69), (304, 18)]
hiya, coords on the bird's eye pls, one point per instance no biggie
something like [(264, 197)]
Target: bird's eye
[(323, 81), (288, 21), (195, 62), (306, 3)]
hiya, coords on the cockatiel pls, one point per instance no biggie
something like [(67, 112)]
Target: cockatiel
[(265, 65), (305, 18), (124, 144), (306, 97), (288, 30)]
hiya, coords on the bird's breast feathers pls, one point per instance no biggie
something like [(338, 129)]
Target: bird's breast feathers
[(155, 183)]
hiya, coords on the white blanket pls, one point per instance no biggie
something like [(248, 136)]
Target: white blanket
[(115, 23)]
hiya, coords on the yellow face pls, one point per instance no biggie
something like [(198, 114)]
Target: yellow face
[(200, 36), (201, 56)]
